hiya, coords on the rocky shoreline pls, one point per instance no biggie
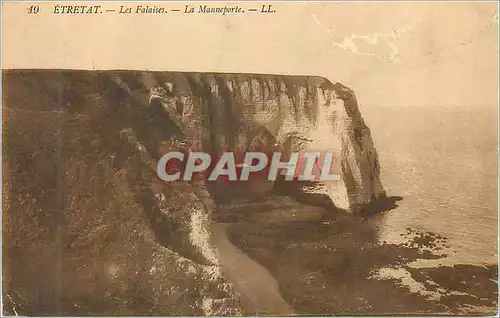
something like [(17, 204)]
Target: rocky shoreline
[(335, 266)]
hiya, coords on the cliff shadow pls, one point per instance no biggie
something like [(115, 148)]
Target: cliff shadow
[(380, 205), (296, 190)]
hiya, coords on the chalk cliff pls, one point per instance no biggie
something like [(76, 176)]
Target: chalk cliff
[(89, 228), (238, 112)]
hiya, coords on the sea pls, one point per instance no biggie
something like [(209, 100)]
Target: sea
[(443, 162)]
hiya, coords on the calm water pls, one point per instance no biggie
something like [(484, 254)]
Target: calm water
[(443, 162)]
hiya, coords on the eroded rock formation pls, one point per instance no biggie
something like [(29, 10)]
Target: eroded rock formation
[(89, 228), (230, 112)]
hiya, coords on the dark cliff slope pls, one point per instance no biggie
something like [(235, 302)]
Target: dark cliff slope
[(87, 228)]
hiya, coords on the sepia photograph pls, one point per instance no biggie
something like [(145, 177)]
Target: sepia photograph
[(224, 158)]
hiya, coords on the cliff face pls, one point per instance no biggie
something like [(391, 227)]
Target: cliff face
[(89, 228), (225, 112)]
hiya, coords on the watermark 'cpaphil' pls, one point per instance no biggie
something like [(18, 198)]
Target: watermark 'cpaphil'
[(229, 166)]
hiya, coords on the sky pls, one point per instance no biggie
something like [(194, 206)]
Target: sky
[(411, 54)]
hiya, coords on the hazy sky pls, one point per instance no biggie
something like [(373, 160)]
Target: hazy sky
[(394, 54)]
